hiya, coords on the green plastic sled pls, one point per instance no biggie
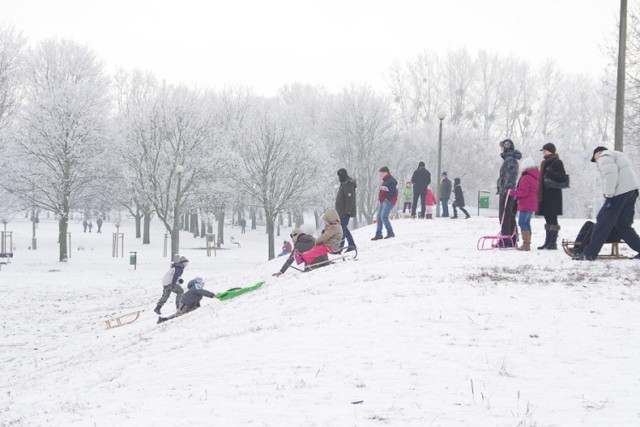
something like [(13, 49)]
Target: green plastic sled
[(232, 293)]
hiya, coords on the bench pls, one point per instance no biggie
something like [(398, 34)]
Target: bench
[(5, 258)]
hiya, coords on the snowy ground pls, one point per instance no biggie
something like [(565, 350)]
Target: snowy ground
[(423, 330)]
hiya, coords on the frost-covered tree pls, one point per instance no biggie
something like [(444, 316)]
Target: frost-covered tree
[(276, 170), (62, 130), (362, 136)]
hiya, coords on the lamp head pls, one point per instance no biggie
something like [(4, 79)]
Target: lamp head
[(441, 115)]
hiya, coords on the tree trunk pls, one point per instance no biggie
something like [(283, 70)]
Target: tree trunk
[(221, 225), (270, 233), (203, 228), (146, 233), (253, 218), (289, 219), (316, 217), (138, 217), (194, 225), (63, 226), (299, 220)]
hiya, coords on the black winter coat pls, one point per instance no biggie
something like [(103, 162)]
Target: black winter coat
[(445, 189), (193, 297), (302, 244), (346, 198), (457, 191), (509, 175), (421, 179), (550, 199)]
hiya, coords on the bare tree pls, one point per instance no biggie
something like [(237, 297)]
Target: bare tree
[(276, 169), (62, 130)]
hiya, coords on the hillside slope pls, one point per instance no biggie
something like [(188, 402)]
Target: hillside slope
[(422, 330)]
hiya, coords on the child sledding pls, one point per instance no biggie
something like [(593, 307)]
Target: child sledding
[(191, 299)]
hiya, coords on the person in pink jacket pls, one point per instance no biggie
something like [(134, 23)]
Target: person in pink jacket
[(527, 197)]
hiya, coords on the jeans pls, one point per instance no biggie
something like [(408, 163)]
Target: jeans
[(445, 207), (418, 195), (346, 234), (407, 205), (383, 218), (524, 220), (616, 214)]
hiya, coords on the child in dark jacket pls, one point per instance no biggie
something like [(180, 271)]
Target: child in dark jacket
[(458, 203), (191, 299)]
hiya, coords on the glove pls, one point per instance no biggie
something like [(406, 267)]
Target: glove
[(278, 274), (181, 281)]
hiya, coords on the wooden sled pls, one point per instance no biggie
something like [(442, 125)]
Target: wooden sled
[(125, 319), (567, 245)]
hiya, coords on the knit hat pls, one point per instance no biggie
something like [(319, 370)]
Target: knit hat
[(197, 282), (421, 164), (444, 174), (183, 259), (549, 147), (527, 164), (297, 232)]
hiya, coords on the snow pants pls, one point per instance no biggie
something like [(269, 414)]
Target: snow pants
[(166, 292)]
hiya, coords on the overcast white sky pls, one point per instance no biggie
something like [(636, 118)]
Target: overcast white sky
[(266, 43)]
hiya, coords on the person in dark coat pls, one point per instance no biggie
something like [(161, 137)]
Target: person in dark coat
[(302, 243), (99, 224), (243, 226), (421, 180), (459, 199), (85, 224), (346, 205), (550, 199), (445, 193), (191, 299), (507, 181)]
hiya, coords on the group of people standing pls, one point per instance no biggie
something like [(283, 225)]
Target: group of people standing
[(87, 224), (529, 189), (418, 191)]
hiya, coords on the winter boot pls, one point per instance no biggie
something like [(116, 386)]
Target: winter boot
[(526, 241), (157, 309), (162, 319), (429, 216), (553, 237), (546, 239)]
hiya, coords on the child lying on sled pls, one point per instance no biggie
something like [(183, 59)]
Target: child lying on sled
[(329, 240), (191, 299)]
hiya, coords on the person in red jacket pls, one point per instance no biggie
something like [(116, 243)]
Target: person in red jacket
[(388, 196), (431, 201), (527, 197)]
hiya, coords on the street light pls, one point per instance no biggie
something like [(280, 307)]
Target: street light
[(441, 117), (175, 242)]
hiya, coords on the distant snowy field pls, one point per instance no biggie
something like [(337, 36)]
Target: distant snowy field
[(422, 330)]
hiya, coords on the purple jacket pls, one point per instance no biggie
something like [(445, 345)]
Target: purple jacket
[(527, 192)]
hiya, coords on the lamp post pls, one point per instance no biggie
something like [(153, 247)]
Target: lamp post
[(620, 86), (441, 116), (175, 238)]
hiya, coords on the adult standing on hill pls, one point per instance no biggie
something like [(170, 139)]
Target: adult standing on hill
[(620, 188), (552, 179), (388, 196), (346, 205), (506, 182), (421, 179), (445, 193)]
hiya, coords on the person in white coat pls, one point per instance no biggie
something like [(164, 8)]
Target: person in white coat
[(620, 188)]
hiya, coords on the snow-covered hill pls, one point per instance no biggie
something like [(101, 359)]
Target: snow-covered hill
[(422, 330)]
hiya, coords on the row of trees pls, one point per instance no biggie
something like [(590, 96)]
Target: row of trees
[(74, 138)]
